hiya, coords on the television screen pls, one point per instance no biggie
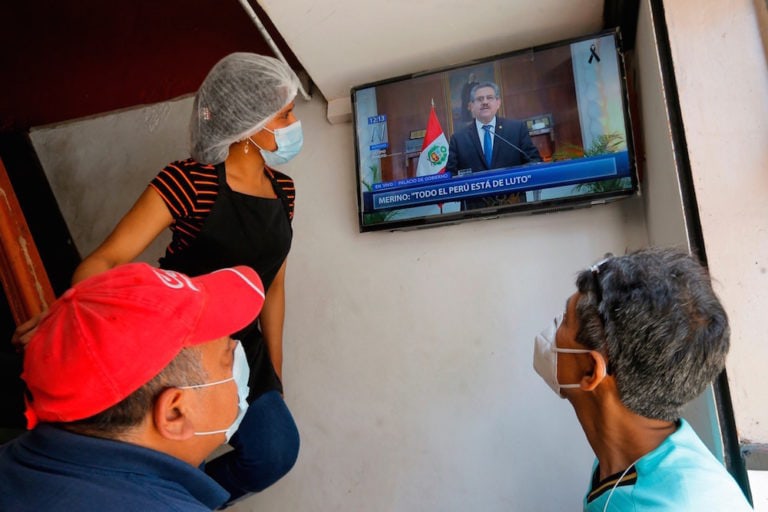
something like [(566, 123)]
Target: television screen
[(533, 130)]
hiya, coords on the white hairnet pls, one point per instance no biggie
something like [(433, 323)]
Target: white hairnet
[(239, 95)]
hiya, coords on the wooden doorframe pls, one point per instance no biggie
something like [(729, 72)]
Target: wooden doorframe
[(24, 279)]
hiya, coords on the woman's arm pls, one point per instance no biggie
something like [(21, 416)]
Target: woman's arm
[(271, 320), (148, 217), (137, 229)]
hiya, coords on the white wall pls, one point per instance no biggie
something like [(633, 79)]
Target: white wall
[(97, 167), (343, 43), (408, 358), (722, 78), (664, 210)]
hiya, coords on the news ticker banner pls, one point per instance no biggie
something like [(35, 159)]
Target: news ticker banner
[(438, 188)]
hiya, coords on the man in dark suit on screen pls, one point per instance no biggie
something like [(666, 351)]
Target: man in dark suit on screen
[(490, 142)]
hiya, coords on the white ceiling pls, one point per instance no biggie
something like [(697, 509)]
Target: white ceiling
[(344, 43)]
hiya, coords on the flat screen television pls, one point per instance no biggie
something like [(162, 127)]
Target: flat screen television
[(539, 129)]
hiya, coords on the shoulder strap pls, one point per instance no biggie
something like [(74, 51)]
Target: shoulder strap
[(281, 193)]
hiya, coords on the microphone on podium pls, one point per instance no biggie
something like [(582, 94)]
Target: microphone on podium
[(491, 129)]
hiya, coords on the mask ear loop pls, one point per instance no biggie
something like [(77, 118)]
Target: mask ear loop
[(250, 139)]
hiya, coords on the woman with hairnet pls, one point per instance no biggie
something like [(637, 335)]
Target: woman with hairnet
[(228, 206)]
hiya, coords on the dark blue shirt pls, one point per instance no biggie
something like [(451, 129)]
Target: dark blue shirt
[(53, 469)]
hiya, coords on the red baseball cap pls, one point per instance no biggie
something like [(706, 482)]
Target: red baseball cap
[(110, 334)]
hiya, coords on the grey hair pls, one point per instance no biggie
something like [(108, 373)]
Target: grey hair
[(654, 315), (186, 369), (492, 85)]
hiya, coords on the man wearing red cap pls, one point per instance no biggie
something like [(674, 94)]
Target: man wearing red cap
[(133, 380)]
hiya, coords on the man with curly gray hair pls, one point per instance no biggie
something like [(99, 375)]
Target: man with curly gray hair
[(643, 335)]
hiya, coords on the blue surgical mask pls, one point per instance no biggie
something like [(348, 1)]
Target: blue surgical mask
[(289, 141), (240, 374)]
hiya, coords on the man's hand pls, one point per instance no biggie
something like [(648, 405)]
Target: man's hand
[(24, 332)]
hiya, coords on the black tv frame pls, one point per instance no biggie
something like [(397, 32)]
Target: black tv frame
[(542, 206)]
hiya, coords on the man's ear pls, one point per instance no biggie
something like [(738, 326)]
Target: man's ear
[(593, 379), (170, 415)]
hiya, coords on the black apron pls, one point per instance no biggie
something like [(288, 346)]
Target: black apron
[(242, 230)]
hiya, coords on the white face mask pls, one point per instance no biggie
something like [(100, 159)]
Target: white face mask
[(545, 356), (240, 374), (289, 141)]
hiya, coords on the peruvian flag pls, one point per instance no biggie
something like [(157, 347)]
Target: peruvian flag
[(434, 150)]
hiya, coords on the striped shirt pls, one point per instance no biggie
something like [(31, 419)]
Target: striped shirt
[(189, 190)]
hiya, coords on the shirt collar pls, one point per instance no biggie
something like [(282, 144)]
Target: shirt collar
[(480, 125), (108, 456)]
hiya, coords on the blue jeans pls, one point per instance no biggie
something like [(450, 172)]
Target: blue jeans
[(266, 446)]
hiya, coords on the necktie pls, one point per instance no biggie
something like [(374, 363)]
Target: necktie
[(487, 145)]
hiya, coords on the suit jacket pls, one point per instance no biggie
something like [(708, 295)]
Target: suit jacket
[(466, 152)]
